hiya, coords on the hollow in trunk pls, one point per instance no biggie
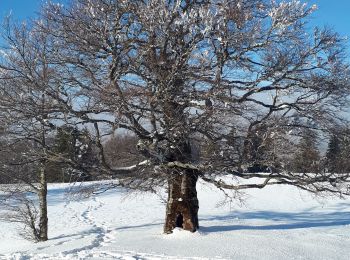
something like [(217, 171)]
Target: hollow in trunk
[(182, 205)]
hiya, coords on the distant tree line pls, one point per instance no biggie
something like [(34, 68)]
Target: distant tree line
[(269, 150)]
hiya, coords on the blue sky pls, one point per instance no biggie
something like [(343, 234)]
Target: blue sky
[(334, 13), (21, 9)]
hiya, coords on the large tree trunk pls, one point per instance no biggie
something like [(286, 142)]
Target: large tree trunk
[(43, 220), (182, 206)]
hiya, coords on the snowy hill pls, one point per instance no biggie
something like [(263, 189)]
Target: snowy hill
[(273, 223)]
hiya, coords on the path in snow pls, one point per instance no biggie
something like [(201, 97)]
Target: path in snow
[(275, 223)]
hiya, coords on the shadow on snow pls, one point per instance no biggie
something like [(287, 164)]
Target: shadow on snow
[(290, 220)]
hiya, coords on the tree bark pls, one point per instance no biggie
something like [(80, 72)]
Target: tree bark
[(182, 205), (43, 220)]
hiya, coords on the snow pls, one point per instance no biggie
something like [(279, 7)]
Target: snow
[(274, 223)]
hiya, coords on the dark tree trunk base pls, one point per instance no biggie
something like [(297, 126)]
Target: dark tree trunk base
[(182, 205)]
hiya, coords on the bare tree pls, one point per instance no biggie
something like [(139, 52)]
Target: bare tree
[(30, 114), (121, 150), (183, 75)]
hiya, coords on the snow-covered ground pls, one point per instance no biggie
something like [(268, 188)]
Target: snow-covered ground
[(274, 223)]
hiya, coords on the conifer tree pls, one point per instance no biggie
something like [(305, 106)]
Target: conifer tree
[(307, 157), (334, 154)]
